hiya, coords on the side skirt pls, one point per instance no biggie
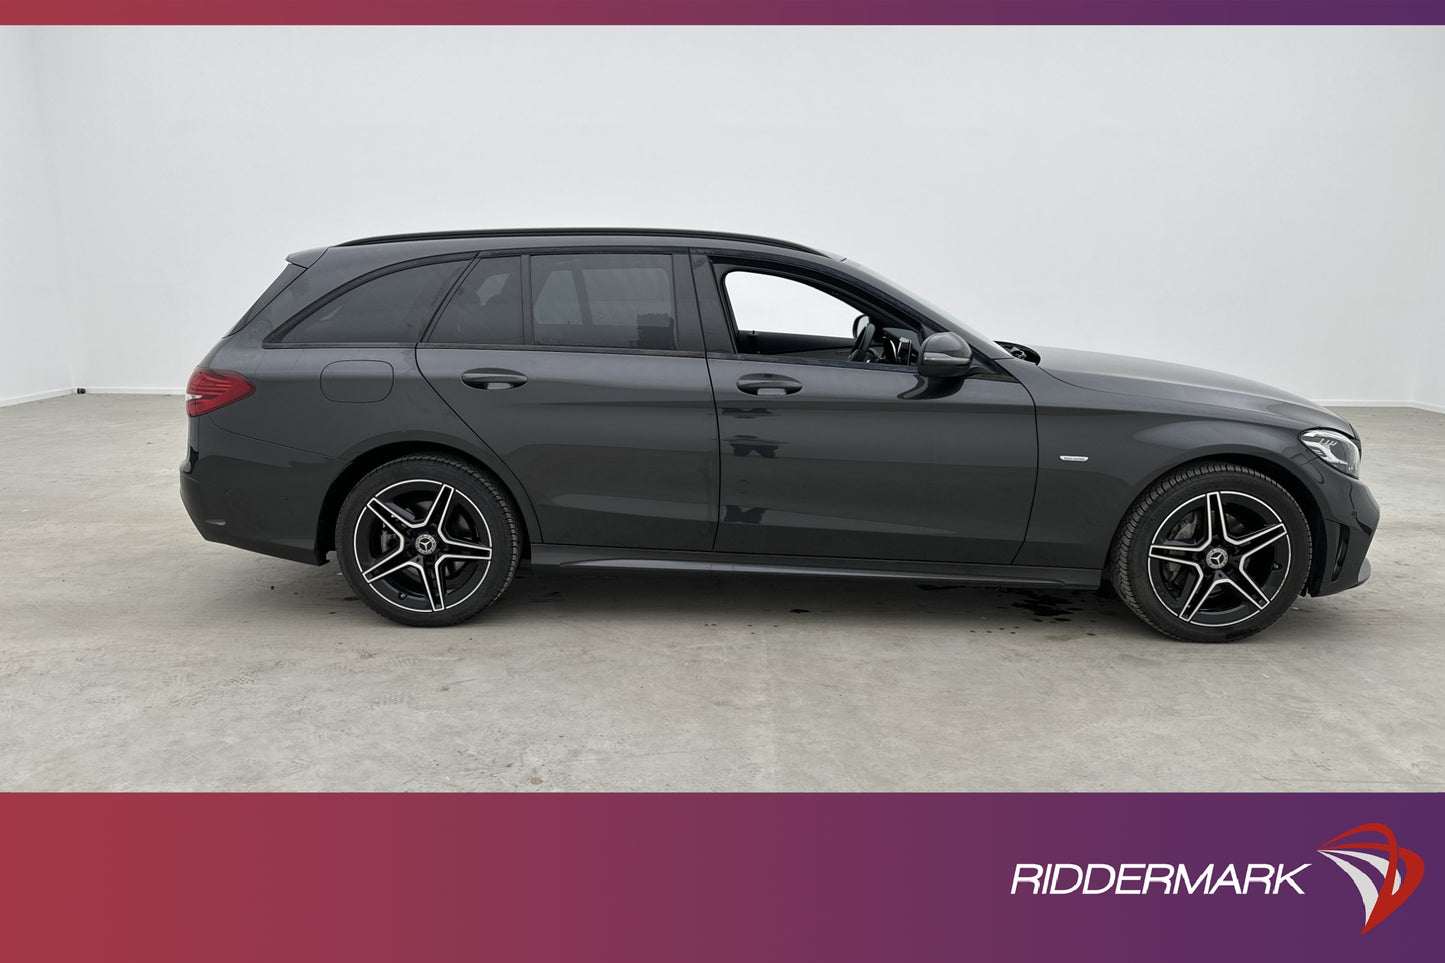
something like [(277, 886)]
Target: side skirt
[(588, 557)]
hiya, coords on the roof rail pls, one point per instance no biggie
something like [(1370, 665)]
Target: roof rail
[(581, 231)]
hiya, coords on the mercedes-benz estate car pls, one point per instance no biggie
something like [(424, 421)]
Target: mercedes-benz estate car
[(436, 408)]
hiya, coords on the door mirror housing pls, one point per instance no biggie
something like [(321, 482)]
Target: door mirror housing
[(945, 355)]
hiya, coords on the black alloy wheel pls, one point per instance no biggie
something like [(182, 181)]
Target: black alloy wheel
[(1212, 553), (428, 540)]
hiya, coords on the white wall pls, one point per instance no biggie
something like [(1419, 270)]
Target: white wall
[(1267, 201), (35, 344)]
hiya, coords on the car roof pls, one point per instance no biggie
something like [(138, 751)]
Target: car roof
[(670, 236)]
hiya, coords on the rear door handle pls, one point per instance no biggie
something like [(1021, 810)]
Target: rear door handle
[(493, 379), (768, 384)]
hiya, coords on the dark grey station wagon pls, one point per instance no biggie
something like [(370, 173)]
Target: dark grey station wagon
[(436, 408)]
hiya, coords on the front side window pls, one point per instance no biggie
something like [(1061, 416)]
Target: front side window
[(604, 301), (779, 305), (784, 316), (392, 308)]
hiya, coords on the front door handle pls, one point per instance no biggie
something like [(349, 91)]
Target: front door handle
[(768, 384), (493, 379)]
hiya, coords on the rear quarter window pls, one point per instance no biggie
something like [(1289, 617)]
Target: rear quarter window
[(390, 309), (283, 281)]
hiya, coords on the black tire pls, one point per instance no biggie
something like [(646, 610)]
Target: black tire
[(1212, 553), (428, 540)]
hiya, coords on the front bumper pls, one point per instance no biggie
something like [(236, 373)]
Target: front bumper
[(1351, 517)]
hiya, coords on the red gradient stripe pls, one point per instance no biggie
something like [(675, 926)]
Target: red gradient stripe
[(723, 11), (593, 878)]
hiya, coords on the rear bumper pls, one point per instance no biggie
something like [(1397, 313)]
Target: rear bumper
[(255, 495), (1351, 517)]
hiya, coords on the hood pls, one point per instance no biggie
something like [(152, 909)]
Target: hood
[(1179, 383)]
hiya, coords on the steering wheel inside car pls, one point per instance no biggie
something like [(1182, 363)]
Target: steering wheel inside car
[(863, 340)]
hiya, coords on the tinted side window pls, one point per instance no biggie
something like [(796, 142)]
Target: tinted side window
[(392, 308), (288, 274), (604, 300), (557, 301), (487, 308)]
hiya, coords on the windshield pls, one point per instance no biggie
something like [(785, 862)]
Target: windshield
[(927, 307)]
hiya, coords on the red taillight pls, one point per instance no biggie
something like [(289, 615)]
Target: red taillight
[(209, 389)]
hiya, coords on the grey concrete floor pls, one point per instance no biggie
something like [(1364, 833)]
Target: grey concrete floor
[(134, 655)]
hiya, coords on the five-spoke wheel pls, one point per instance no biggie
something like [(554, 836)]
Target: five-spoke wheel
[(427, 540), (1211, 553)]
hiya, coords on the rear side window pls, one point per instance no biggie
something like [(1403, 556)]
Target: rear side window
[(389, 309), (487, 308), (604, 301), (283, 280)]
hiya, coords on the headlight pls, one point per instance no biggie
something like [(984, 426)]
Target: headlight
[(1338, 450)]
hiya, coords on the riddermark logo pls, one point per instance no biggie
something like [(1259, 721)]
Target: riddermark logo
[(1400, 871)]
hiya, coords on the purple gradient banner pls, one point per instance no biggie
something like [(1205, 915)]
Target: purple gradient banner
[(716, 878), (723, 11)]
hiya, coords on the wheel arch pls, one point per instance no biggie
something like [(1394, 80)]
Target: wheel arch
[(372, 458), (1280, 473)]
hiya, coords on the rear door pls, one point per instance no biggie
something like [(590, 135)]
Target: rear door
[(584, 372)]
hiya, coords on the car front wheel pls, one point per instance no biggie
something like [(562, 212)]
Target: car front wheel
[(427, 540), (1212, 553)]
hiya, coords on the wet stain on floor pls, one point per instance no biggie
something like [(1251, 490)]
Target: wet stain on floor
[(1045, 606)]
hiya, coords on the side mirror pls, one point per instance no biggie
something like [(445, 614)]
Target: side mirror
[(859, 323), (945, 355)]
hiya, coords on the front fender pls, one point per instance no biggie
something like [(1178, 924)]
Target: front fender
[(1078, 504)]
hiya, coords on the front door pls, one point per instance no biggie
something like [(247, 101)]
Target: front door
[(832, 445)]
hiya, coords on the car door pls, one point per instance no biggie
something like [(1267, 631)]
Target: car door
[(825, 456), (583, 371)]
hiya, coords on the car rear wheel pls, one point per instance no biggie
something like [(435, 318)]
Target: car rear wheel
[(427, 540), (1212, 553)]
